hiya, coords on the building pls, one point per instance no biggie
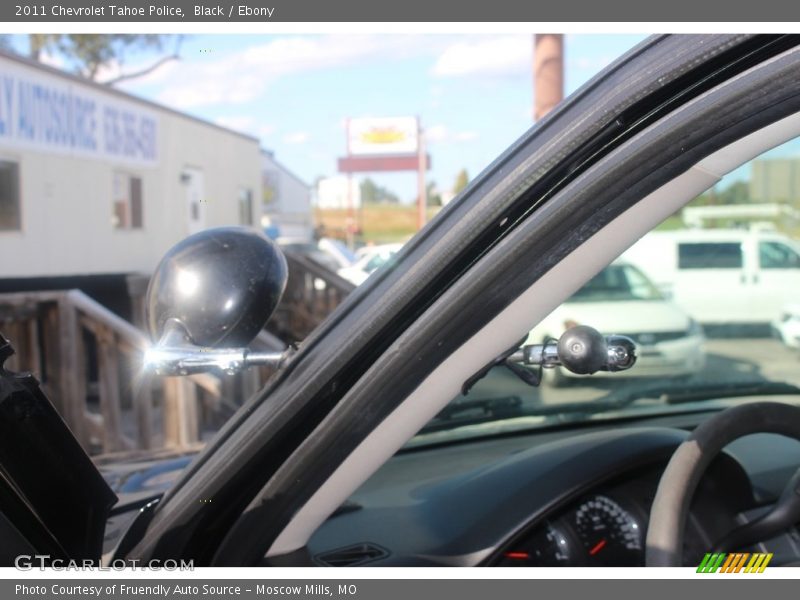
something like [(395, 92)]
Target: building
[(96, 184), (338, 192), (776, 180), (286, 201)]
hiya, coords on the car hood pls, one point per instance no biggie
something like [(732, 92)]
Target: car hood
[(140, 475), (626, 317)]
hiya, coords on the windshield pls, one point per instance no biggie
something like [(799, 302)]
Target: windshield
[(617, 283), (709, 297), (378, 260)]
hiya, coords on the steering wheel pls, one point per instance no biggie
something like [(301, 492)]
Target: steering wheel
[(680, 479)]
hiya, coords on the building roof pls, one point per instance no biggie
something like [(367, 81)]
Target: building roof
[(28, 62), (271, 155)]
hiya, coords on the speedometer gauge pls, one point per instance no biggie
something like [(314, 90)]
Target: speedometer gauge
[(609, 534), (548, 547)]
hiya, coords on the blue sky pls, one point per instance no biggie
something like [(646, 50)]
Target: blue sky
[(473, 93)]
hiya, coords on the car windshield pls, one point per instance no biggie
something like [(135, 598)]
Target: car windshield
[(617, 283), (377, 261), (709, 298)]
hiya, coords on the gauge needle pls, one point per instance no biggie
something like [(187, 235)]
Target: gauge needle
[(597, 547)]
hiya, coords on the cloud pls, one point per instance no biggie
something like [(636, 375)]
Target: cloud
[(589, 63), (435, 134), (248, 125), (239, 123), (245, 75), (296, 137), (465, 136), (438, 134), (53, 60), (503, 55), (265, 130)]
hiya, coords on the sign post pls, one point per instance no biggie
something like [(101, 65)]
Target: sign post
[(387, 144), (422, 192)]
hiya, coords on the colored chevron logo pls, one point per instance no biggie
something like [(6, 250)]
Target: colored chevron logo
[(734, 563)]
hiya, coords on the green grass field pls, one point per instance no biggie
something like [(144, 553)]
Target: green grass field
[(379, 223), (389, 223)]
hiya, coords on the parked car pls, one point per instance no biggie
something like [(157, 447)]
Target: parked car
[(756, 272), (315, 468), (370, 259), (622, 300), (787, 326), (337, 249), (329, 253)]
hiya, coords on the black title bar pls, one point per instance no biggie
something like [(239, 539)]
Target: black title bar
[(264, 11)]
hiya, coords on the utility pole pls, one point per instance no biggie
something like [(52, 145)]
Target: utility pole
[(548, 72), (422, 165)]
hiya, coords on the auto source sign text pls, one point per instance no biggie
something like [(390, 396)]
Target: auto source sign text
[(48, 113)]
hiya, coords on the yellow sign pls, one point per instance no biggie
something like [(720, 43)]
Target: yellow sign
[(382, 136)]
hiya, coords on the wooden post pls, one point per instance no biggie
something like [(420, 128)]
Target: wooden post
[(143, 407), (34, 358), (137, 289), (180, 412), (12, 331), (72, 371), (422, 192), (251, 382), (52, 357), (108, 376)]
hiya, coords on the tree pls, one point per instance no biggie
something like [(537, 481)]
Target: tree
[(372, 193), (462, 180), (90, 52), (433, 195), (737, 192)]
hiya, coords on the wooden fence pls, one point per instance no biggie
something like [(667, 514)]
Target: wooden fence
[(312, 293), (88, 361)]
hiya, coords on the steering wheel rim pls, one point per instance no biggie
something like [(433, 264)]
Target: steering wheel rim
[(679, 481)]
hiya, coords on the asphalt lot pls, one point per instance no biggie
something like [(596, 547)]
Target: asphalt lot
[(739, 359)]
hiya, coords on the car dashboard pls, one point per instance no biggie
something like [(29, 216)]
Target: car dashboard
[(562, 497)]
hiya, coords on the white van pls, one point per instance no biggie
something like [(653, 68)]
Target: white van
[(722, 276)]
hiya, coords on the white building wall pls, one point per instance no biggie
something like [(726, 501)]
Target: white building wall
[(338, 192), (66, 197), (290, 207)]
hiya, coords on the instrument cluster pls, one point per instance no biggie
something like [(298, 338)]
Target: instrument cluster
[(599, 531)]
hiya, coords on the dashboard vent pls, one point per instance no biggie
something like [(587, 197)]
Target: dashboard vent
[(351, 556)]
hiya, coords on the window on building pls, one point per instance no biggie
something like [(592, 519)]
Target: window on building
[(9, 196), (128, 205), (245, 206), (269, 191)]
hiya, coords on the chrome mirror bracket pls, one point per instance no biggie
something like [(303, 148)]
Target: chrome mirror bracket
[(613, 353), (175, 355), (581, 350), (171, 361)]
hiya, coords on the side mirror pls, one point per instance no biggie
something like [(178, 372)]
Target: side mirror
[(209, 297)]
